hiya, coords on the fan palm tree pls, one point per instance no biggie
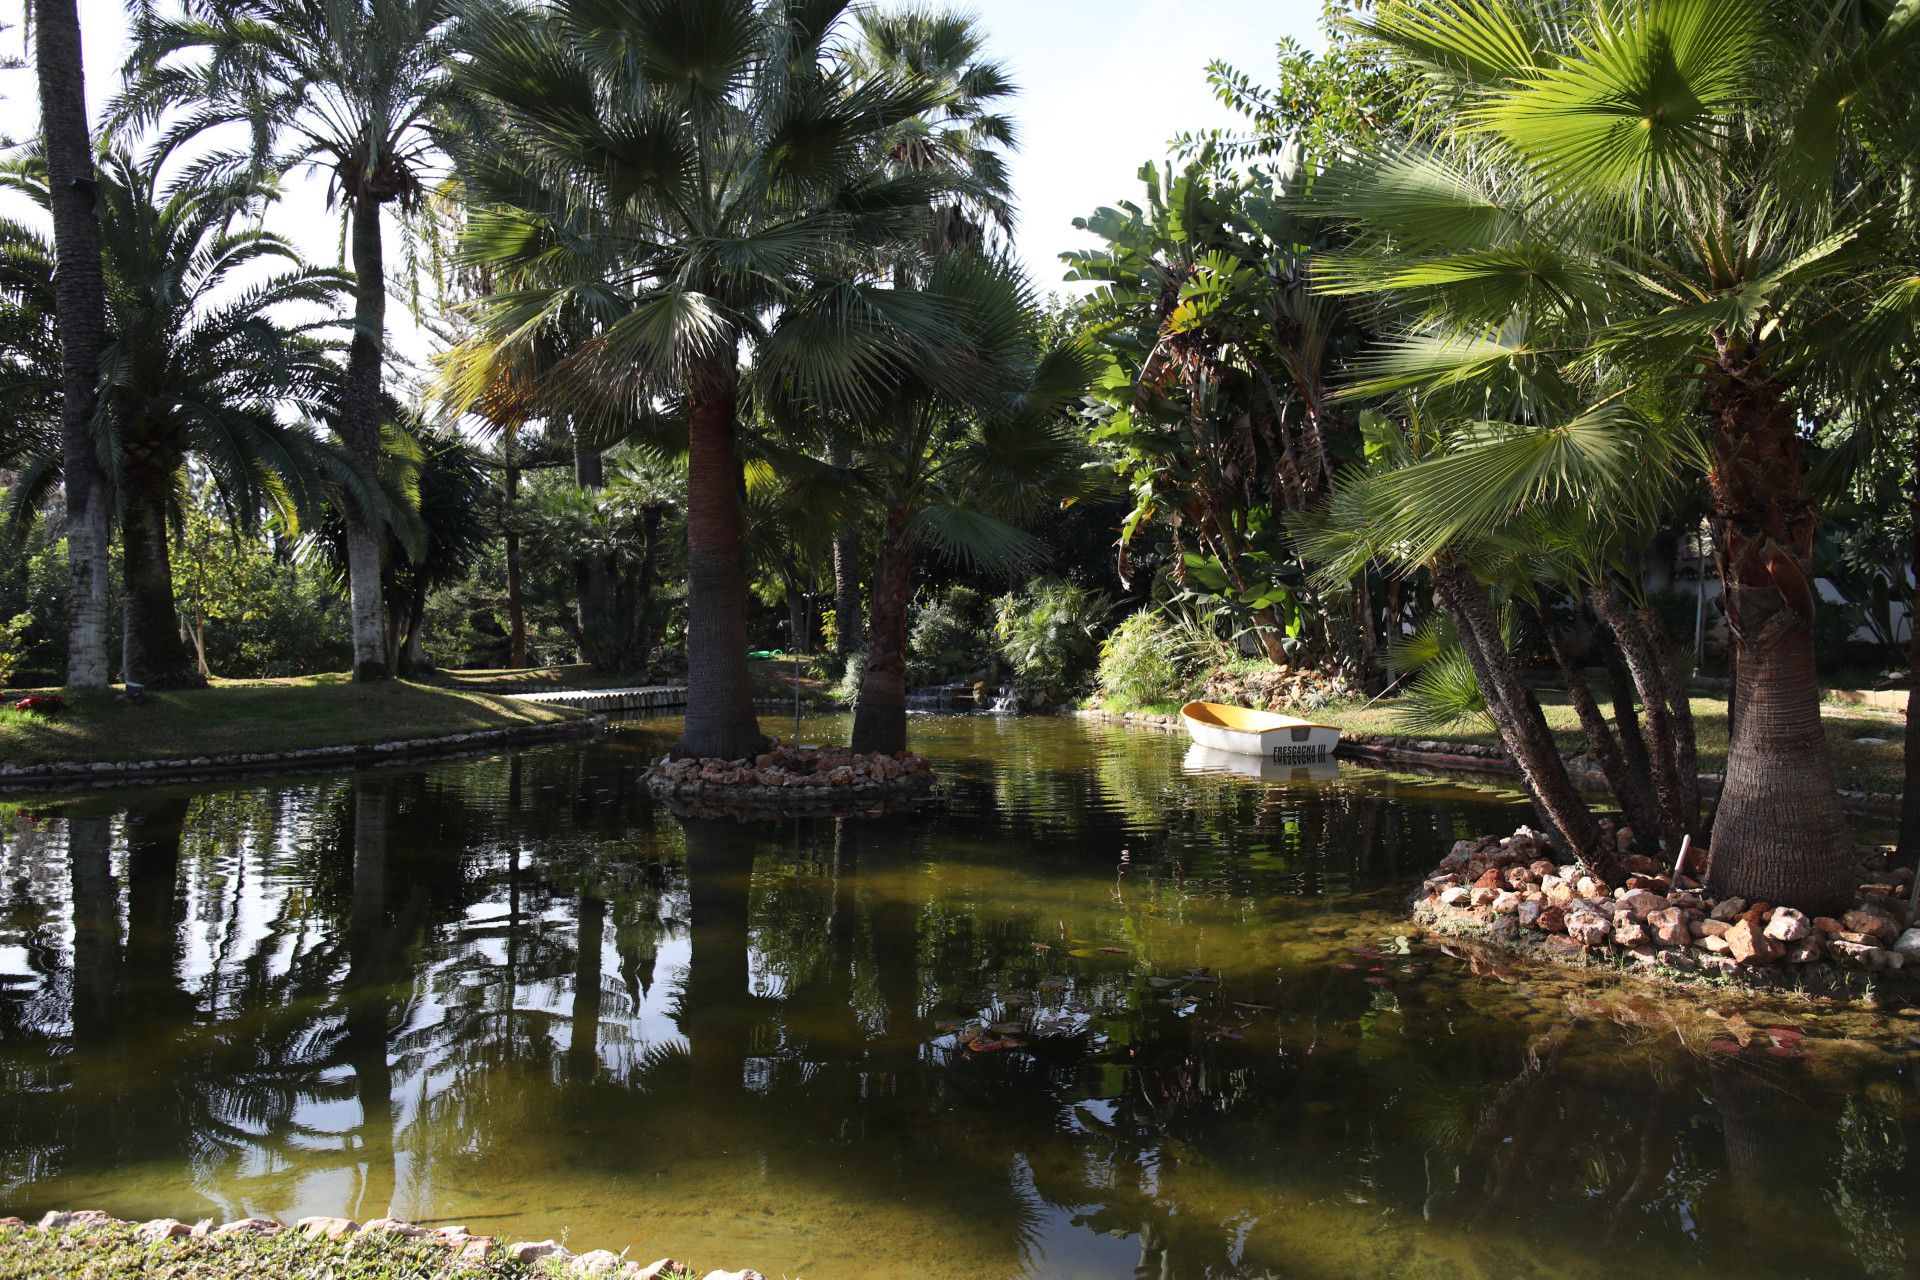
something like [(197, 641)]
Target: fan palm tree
[(698, 177), (955, 473), (201, 361), (349, 86), (1676, 200), (80, 306)]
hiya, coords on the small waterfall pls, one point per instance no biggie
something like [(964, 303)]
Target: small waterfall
[(1006, 702)]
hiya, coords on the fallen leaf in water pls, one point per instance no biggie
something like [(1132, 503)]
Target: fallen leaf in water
[(1042, 946), (1002, 1028), (1248, 1004), (952, 1024), (984, 1044), (1346, 964), (1724, 1046), (1226, 1033), (1377, 982), (1161, 984), (1198, 970), (1787, 1051), (1115, 951)]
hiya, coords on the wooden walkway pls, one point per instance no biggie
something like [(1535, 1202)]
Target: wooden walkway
[(659, 697)]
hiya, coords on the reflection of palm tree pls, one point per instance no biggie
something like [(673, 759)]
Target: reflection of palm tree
[(365, 997), (715, 1015), (96, 924), (583, 1051)]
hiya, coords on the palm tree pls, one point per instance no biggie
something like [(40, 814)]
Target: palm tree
[(80, 306), (201, 361), (1670, 201), (350, 86), (697, 176), (955, 471)]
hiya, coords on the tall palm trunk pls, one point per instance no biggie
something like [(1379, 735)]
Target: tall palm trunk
[(1629, 788), (156, 656), (1670, 789), (880, 717), (516, 602), (360, 429), (1523, 727), (80, 308), (600, 628), (720, 720), (848, 628), (1779, 834), (1910, 788)]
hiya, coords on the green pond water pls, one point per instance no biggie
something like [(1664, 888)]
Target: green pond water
[(517, 993)]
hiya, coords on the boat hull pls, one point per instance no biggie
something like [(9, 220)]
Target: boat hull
[(1205, 759), (1281, 739)]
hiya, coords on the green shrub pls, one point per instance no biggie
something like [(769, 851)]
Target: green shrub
[(949, 636), (1046, 635), (13, 646), (1140, 662)]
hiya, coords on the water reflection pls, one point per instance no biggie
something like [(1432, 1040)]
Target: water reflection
[(512, 993)]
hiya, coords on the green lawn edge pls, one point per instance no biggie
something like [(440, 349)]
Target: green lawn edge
[(246, 717)]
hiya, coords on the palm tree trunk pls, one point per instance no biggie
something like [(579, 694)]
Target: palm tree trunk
[(360, 430), (592, 580), (1669, 788), (880, 716), (156, 656), (516, 600), (1910, 789), (80, 308), (720, 720), (644, 582), (848, 629), (1523, 728), (1779, 834), (1627, 787)]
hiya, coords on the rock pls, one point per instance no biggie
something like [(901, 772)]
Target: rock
[(1627, 931), (1542, 868), (1490, 879), (1484, 897), (161, 1229), (1788, 925), (393, 1227), (1748, 943), (734, 1275), (1641, 903), (249, 1227), (1711, 928), (1588, 887), (1458, 896), (1529, 911), (1589, 928), (599, 1262), (1809, 950), (1859, 955), (1715, 944), (1506, 903), (1722, 966), (527, 1252), (1669, 926), (1908, 944), (653, 1270), (1561, 893), (1872, 923), (1827, 924), (473, 1248), (77, 1220), (1552, 919), (327, 1228), (1728, 909)]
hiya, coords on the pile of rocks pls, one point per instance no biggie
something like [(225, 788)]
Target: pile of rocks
[(786, 775), (1512, 889), (1277, 688), (546, 1255)]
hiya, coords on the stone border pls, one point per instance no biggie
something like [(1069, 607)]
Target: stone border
[(68, 774), (459, 1241), (1473, 757)]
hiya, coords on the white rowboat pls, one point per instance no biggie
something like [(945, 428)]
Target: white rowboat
[(1282, 739), (1201, 759)]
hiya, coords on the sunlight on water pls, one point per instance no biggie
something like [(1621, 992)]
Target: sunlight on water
[(513, 992)]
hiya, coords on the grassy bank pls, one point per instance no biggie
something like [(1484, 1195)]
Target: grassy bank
[(237, 717), (112, 1252), (1857, 766)]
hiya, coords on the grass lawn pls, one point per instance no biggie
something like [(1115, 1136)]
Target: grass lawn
[(112, 1252), (538, 679), (239, 716), (1857, 766)]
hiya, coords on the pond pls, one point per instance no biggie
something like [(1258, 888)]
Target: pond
[(1104, 1014)]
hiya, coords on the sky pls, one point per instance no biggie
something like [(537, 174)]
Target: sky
[(1104, 85)]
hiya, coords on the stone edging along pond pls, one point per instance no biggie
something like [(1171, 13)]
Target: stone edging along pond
[(785, 778), (121, 772), (1473, 757), (324, 1242)]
